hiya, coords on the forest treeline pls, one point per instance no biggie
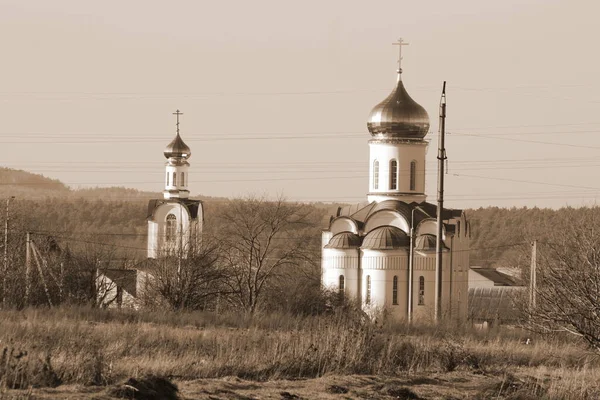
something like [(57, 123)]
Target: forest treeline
[(116, 219)]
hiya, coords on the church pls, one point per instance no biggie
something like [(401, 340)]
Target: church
[(175, 221), (383, 253), (175, 225)]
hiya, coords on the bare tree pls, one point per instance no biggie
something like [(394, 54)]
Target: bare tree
[(568, 284), (261, 238), (192, 282)]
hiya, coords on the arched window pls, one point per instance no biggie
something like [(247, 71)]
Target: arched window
[(413, 173), (174, 178), (171, 228), (183, 179), (341, 286), (395, 291), (393, 175), (368, 296), (167, 179), (421, 290), (375, 174)]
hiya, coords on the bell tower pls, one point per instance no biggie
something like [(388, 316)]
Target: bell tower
[(176, 168), (175, 222), (398, 126)]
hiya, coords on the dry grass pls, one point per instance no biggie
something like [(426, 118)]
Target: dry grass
[(40, 348)]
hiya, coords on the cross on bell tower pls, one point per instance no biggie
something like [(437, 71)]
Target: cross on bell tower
[(177, 113), (400, 42)]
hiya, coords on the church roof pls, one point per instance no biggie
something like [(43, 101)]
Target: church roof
[(177, 148), (385, 238), (344, 240), (499, 278), (427, 210), (193, 206), (398, 116)]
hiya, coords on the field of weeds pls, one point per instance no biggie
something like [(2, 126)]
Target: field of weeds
[(94, 350)]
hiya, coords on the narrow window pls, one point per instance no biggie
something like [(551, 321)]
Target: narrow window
[(395, 291), (167, 179), (171, 228), (341, 286), (368, 296), (376, 174), (413, 172), (183, 179), (174, 178), (421, 291), (393, 175)]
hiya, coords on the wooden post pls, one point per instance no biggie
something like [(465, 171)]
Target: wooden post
[(533, 275), (27, 269)]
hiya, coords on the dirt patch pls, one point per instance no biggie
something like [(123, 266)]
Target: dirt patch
[(147, 388)]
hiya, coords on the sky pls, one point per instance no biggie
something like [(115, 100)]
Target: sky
[(276, 94)]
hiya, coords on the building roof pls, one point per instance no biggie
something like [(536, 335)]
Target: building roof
[(385, 238), (398, 116), (495, 304), (177, 148), (499, 278), (193, 206), (425, 211), (344, 240)]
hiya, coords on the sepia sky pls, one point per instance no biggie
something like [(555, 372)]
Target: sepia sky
[(276, 94)]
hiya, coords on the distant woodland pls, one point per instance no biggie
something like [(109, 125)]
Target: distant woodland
[(500, 236)]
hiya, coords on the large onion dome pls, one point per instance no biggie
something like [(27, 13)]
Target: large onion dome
[(398, 116), (344, 240), (177, 148), (386, 238)]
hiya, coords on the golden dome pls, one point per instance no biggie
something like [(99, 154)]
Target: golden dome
[(177, 148), (398, 117)]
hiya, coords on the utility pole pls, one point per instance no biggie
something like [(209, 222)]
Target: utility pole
[(27, 268), (5, 268), (440, 208), (533, 275)]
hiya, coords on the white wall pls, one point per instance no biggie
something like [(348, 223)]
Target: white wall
[(336, 262), (404, 153), (186, 229)]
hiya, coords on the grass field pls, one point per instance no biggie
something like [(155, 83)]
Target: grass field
[(83, 353)]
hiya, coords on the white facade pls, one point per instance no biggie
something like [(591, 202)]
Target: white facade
[(175, 222), (384, 254), (397, 168)]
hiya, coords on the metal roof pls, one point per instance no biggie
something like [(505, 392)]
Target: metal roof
[(177, 148), (499, 278), (385, 238), (398, 116), (344, 240)]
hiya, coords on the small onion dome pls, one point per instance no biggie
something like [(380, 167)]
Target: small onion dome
[(177, 148), (386, 238), (398, 117), (344, 240), (427, 242)]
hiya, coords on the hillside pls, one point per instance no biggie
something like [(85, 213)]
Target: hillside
[(500, 236)]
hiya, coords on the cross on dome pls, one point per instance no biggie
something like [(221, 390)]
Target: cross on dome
[(400, 43), (177, 148), (178, 113)]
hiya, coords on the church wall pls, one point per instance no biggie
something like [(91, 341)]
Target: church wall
[(176, 169), (186, 229), (381, 266), (342, 225), (424, 303), (336, 262), (152, 239), (387, 217), (403, 153)]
